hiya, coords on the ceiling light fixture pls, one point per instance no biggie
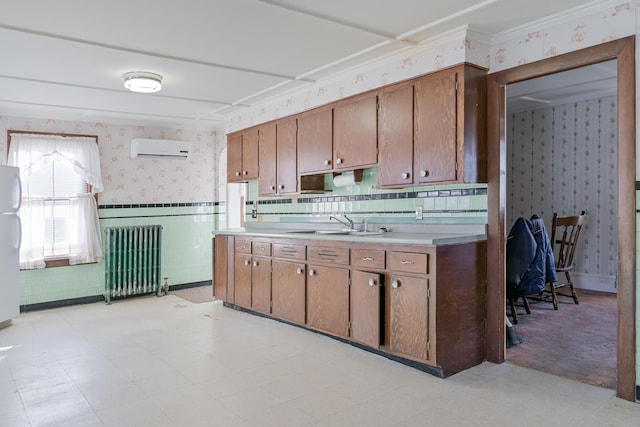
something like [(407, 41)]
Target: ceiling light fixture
[(142, 81)]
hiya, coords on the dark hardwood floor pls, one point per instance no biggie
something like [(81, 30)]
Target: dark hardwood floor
[(576, 341)]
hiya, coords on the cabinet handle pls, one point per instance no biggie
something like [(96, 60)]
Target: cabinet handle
[(237, 173), (406, 262), (406, 175), (255, 263), (338, 161), (395, 284), (327, 162), (372, 282), (367, 258), (262, 249), (299, 271), (246, 262), (312, 272), (424, 174)]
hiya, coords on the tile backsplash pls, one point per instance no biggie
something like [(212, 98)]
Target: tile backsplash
[(463, 203)]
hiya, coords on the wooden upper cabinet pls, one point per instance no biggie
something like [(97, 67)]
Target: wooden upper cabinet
[(436, 130), (395, 136), (315, 142), (234, 157), (355, 133), (287, 150), (250, 143), (442, 116), (242, 156), (267, 181)]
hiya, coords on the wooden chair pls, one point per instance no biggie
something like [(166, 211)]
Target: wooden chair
[(564, 237)]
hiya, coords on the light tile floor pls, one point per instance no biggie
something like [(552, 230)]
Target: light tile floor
[(152, 361)]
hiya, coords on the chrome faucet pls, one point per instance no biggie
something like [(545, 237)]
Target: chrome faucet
[(348, 222)]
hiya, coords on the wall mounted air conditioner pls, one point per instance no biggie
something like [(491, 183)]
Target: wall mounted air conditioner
[(160, 148)]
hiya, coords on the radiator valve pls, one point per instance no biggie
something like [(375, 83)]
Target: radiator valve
[(164, 289)]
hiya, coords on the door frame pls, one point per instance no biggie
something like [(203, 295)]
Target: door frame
[(623, 50)]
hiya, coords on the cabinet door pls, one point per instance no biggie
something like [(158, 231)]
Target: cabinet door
[(220, 267), (328, 299), (315, 142), (365, 308), (261, 284), (242, 278), (234, 157), (267, 160), (288, 291), (287, 172), (436, 128), (409, 316), (355, 134), (250, 142), (395, 137)]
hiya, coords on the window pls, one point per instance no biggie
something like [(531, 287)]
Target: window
[(59, 213)]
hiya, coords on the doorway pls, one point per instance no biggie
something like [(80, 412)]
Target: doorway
[(623, 51), (561, 137)]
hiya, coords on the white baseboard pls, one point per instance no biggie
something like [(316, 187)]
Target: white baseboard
[(593, 282)]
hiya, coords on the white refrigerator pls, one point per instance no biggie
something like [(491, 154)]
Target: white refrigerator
[(10, 235)]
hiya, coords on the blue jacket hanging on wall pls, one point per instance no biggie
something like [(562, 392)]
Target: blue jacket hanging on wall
[(530, 262)]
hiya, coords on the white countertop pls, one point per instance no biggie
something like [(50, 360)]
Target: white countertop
[(445, 235)]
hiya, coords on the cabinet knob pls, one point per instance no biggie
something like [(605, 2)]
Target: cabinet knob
[(273, 187), (406, 175), (395, 284), (282, 186), (299, 271), (255, 263), (327, 162), (244, 172), (424, 174), (372, 282), (246, 262), (262, 249), (238, 174), (338, 161), (312, 272)]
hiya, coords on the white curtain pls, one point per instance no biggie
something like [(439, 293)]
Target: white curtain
[(27, 151), (32, 211)]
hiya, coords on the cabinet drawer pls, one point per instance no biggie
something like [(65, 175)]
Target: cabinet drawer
[(261, 248), (372, 258), (281, 250), (409, 262), (333, 255), (243, 246)]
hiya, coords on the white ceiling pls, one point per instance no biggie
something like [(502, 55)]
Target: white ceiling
[(65, 59)]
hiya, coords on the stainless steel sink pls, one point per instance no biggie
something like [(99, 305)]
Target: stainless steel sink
[(336, 232)]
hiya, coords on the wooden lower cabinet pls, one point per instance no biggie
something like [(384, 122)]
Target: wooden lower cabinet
[(261, 284), (242, 279), (288, 291), (365, 307), (222, 280), (420, 303), (328, 299), (409, 316)]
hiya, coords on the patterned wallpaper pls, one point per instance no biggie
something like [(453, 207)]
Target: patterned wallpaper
[(563, 159), (586, 26), (137, 181)]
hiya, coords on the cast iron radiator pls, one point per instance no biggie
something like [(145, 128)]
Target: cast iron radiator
[(132, 260)]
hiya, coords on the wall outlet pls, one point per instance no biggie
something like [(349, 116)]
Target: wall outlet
[(418, 212)]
